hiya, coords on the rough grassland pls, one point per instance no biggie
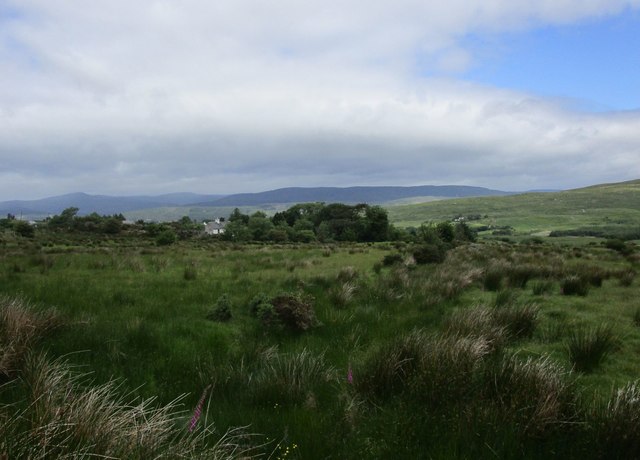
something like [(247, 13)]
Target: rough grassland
[(469, 358), (613, 205)]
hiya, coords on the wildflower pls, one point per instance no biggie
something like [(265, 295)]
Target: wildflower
[(350, 375), (198, 411)]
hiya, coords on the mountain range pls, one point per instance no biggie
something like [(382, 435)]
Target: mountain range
[(104, 204)]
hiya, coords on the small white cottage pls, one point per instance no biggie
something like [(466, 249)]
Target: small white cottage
[(214, 228)]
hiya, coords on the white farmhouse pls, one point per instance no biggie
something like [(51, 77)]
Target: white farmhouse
[(214, 228)]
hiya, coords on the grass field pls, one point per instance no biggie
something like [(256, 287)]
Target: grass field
[(615, 206), (526, 350)]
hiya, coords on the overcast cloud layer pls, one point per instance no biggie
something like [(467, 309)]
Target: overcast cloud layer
[(121, 97)]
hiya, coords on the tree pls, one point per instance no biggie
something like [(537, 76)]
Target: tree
[(376, 224), (24, 229), (259, 226), (65, 219)]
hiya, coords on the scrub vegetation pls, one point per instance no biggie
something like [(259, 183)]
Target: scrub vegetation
[(115, 344)]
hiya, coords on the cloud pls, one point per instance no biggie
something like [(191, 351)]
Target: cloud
[(159, 96)]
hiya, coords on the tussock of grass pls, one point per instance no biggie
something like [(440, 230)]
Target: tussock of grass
[(289, 378), (436, 369), (20, 327), (574, 285), (65, 418), (588, 347), (535, 392), (618, 423)]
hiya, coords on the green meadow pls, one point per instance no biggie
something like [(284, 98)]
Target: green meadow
[(508, 347)]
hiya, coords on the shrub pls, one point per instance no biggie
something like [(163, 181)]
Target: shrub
[(166, 237), (221, 312), (24, 229), (587, 348), (618, 245), (574, 285), (391, 259), (429, 254), (295, 311)]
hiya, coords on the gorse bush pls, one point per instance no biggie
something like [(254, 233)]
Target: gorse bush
[(221, 312), (295, 311), (587, 347)]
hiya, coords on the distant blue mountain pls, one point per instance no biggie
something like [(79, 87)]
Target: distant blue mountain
[(370, 195), (102, 204)]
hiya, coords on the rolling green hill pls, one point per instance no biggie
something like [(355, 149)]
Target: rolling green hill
[(607, 206)]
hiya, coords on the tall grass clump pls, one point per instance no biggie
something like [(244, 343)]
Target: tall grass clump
[(342, 294), (519, 321), (532, 393), (492, 279), (542, 287), (617, 423), (626, 277), (436, 370), (574, 285), (21, 326), (588, 347), (68, 418), (289, 378), (477, 322)]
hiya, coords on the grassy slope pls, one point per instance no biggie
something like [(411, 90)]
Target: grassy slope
[(608, 204)]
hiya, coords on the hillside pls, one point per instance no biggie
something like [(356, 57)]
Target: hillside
[(349, 195), (607, 205)]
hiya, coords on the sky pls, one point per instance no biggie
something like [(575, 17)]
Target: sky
[(155, 96)]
